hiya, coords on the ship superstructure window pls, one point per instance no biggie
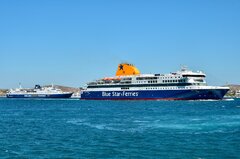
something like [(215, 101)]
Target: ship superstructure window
[(173, 81), (126, 79), (146, 78), (125, 82), (198, 80), (193, 75), (92, 83), (155, 81)]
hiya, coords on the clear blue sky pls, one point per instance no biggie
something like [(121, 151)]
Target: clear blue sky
[(73, 42)]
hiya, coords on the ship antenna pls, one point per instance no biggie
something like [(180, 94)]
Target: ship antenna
[(20, 86), (184, 68)]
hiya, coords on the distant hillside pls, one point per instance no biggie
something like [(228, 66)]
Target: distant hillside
[(3, 92), (233, 89), (65, 88)]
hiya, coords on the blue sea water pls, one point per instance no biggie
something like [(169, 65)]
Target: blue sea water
[(119, 129)]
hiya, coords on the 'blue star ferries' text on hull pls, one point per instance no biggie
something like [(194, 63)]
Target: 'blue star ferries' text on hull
[(129, 84)]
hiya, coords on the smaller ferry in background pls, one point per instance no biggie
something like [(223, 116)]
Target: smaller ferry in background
[(38, 92)]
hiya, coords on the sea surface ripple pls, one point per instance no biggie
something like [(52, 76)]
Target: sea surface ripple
[(119, 129)]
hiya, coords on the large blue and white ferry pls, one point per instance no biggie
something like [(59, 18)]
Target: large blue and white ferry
[(129, 84), (38, 92)]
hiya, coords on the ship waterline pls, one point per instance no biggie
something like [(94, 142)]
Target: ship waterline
[(64, 95), (190, 94)]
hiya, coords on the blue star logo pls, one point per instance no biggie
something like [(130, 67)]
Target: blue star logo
[(121, 67)]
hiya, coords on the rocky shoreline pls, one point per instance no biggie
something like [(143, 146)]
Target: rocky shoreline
[(233, 89), (3, 92)]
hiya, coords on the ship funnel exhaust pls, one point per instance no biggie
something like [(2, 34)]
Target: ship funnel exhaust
[(126, 69)]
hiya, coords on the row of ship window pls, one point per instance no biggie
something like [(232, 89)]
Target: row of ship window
[(164, 81), (149, 88), (172, 81), (154, 78), (166, 88), (168, 77), (124, 80), (150, 78)]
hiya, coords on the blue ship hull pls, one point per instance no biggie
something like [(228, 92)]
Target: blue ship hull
[(196, 94), (66, 95)]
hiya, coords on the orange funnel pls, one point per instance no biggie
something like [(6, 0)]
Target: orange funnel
[(125, 69)]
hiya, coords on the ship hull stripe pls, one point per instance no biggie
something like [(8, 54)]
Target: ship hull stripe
[(155, 94), (68, 95)]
